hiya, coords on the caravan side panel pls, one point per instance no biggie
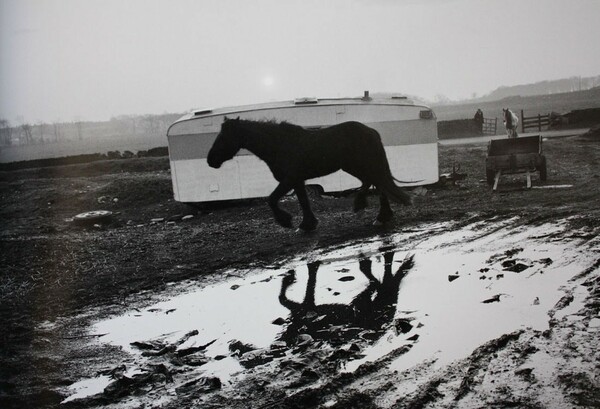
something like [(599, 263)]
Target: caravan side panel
[(195, 181), (410, 143)]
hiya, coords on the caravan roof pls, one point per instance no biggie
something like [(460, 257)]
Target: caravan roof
[(298, 102)]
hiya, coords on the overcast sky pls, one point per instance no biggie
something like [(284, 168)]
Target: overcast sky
[(93, 59)]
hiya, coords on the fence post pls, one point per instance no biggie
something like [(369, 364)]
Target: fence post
[(522, 122), (539, 123)]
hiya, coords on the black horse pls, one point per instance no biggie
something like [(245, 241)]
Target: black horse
[(295, 154)]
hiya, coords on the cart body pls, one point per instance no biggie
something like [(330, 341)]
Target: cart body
[(515, 155)]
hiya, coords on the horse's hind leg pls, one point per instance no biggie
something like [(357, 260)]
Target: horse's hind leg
[(281, 216), (360, 201), (309, 221), (385, 211)]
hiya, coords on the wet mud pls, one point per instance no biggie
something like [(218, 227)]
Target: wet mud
[(420, 302)]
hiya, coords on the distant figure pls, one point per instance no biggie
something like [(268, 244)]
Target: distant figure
[(478, 118), (511, 122)]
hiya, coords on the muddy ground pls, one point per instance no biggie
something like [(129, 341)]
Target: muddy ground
[(59, 277)]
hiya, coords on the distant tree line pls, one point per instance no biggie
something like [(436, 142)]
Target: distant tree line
[(124, 126), (5, 132)]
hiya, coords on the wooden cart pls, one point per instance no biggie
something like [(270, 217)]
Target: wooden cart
[(515, 155)]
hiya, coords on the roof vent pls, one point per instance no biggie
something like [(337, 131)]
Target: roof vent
[(306, 101), (366, 96), (202, 112)]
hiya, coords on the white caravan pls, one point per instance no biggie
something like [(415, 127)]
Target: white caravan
[(408, 132)]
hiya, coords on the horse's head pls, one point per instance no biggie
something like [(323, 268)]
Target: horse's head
[(507, 117), (227, 144)]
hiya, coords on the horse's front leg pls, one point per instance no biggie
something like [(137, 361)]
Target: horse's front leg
[(309, 221), (281, 216)]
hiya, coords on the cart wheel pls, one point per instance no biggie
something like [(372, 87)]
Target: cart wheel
[(543, 171), (490, 176)]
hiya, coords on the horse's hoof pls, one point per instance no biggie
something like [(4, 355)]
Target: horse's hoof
[(308, 227), (382, 223), (384, 219), (359, 206), (305, 232), (285, 221)]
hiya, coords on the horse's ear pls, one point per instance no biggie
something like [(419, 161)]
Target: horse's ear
[(238, 118), (225, 119)]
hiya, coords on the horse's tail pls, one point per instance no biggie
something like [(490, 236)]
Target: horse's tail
[(395, 192), (382, 175)]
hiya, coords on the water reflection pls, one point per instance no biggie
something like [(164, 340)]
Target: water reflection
[(372, 309), (353, 304)]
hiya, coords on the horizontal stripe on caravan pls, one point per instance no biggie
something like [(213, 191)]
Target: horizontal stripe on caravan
[(412, 132)]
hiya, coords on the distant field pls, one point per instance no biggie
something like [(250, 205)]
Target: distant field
[(541, 104), (69, 139), (19, 153)]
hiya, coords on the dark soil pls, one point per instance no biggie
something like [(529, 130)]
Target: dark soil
[(53, 269)]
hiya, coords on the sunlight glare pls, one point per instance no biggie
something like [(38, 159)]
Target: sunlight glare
[(268, 81)]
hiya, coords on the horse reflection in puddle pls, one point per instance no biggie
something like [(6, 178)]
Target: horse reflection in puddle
[(367, 316)]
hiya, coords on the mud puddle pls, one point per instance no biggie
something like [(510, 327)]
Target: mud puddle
[(435, 293)]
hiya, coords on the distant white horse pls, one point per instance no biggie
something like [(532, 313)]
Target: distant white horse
[(511, 122)]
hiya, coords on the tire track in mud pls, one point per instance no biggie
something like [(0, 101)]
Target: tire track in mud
[(480, 359), (342, 391), (515, 363)]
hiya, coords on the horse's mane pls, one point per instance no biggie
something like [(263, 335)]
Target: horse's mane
[(271, 125)]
